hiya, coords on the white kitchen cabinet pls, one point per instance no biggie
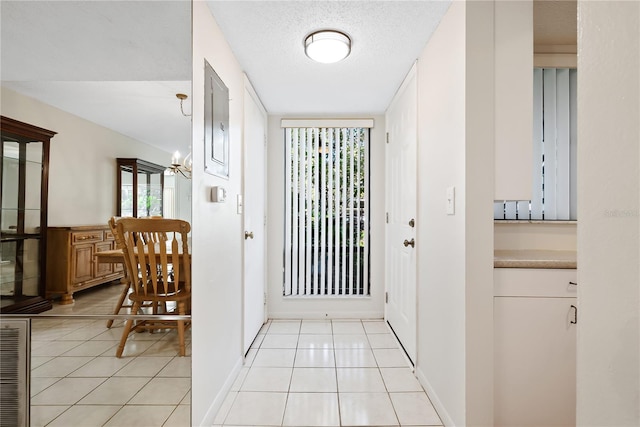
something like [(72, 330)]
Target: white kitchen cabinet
[(513, 80), (535, 347)]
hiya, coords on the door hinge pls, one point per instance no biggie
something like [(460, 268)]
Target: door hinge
[(387, 137), (386, 297), (387, 217), (264, 300)]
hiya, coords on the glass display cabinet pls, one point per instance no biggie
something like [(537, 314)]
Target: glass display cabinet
[(140, 188), (24, 168)]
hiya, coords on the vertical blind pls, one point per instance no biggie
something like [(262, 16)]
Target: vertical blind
[(554, 150), (327, 211)]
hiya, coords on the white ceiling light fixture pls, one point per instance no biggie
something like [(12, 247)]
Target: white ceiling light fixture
[(327, 46)]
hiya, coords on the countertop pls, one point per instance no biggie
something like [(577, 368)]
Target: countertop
[(534, 259)]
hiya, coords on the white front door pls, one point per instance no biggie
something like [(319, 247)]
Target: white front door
[(255, 131), (401, 202)]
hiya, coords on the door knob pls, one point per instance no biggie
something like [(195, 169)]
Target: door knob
[(411, 243), (248, 235)]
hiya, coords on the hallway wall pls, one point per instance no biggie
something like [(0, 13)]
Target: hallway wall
[(608, 372), (217, 237)]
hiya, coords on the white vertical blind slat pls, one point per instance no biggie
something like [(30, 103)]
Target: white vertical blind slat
[(562, 144), (536, 201), (322, 191), (351, 200), (356, 243), (291, 183), (549, 135), (309, 212), (573, 148), (343, 213)]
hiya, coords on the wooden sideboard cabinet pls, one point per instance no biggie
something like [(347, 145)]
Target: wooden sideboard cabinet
[(71, 266)]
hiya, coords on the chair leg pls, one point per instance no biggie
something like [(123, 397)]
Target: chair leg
[(123, 296), (127, 330), (181, 312)]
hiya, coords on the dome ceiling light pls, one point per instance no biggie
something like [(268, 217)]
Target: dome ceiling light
[(327, 46)]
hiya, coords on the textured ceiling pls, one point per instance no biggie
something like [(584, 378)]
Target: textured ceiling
[(267, 38), (120, 63)]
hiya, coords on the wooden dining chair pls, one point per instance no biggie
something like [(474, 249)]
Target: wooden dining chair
[(125, 280), (159, 272)]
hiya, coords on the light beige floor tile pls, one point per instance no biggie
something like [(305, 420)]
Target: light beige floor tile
[(347, 327), (42, 415), (316, 327), (267, 379), (414, 409), (84, 334), (316, 341), (144, 367), (366, 409), (225, 408), (163, 348), (104, 366), (257, 408), (258, 341), (375, 327), (178, 367), (40, 383), (390, 358), (85, 416), (60, 366), (312, 409), (382, 341), (187, 399), (284, 327), (141, 416), (350, 341), (240, 379), (275, 358), (181, 417), (55, 348), (162, 391), (318, 380), (355, 358), (91, 348), (280, 341), (67, 391), (400, 379), (315, 358), (132, 349), (115, 391), (39, 361), (360, 380)]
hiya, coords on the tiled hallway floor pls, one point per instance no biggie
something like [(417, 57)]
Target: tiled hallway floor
[(326, 373), (76, 380)]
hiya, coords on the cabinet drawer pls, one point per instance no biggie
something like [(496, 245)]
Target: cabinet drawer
[(108, 235), (86, 236), (534, 282)]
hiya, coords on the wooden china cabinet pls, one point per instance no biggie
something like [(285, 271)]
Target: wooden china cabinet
[(24, 170)]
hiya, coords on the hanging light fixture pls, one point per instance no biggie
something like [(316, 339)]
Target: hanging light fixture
[(327, 46), (183, 168)]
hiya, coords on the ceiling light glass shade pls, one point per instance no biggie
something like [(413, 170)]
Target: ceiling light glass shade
[(327, 46)]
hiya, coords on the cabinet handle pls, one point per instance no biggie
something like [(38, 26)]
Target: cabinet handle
[(573, 283), (575, 314)]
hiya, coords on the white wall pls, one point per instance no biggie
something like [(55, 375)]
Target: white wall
[(441, 255), (608, 372), (455, 261), (280, 307), (217, 233), (543, 235), (82, 164)]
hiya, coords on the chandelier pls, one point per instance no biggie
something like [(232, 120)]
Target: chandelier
[(183, 168)]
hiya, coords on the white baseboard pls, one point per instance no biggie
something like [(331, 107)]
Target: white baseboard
[(437, 404), (305, 315), (222, 395)]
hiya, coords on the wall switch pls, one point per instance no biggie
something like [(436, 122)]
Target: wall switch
[(451, 200)]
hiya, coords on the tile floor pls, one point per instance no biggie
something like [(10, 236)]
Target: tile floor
[(76, 380), (326, 373), (297, 373)]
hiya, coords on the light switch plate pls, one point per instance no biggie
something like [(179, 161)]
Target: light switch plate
[(451, 200)]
